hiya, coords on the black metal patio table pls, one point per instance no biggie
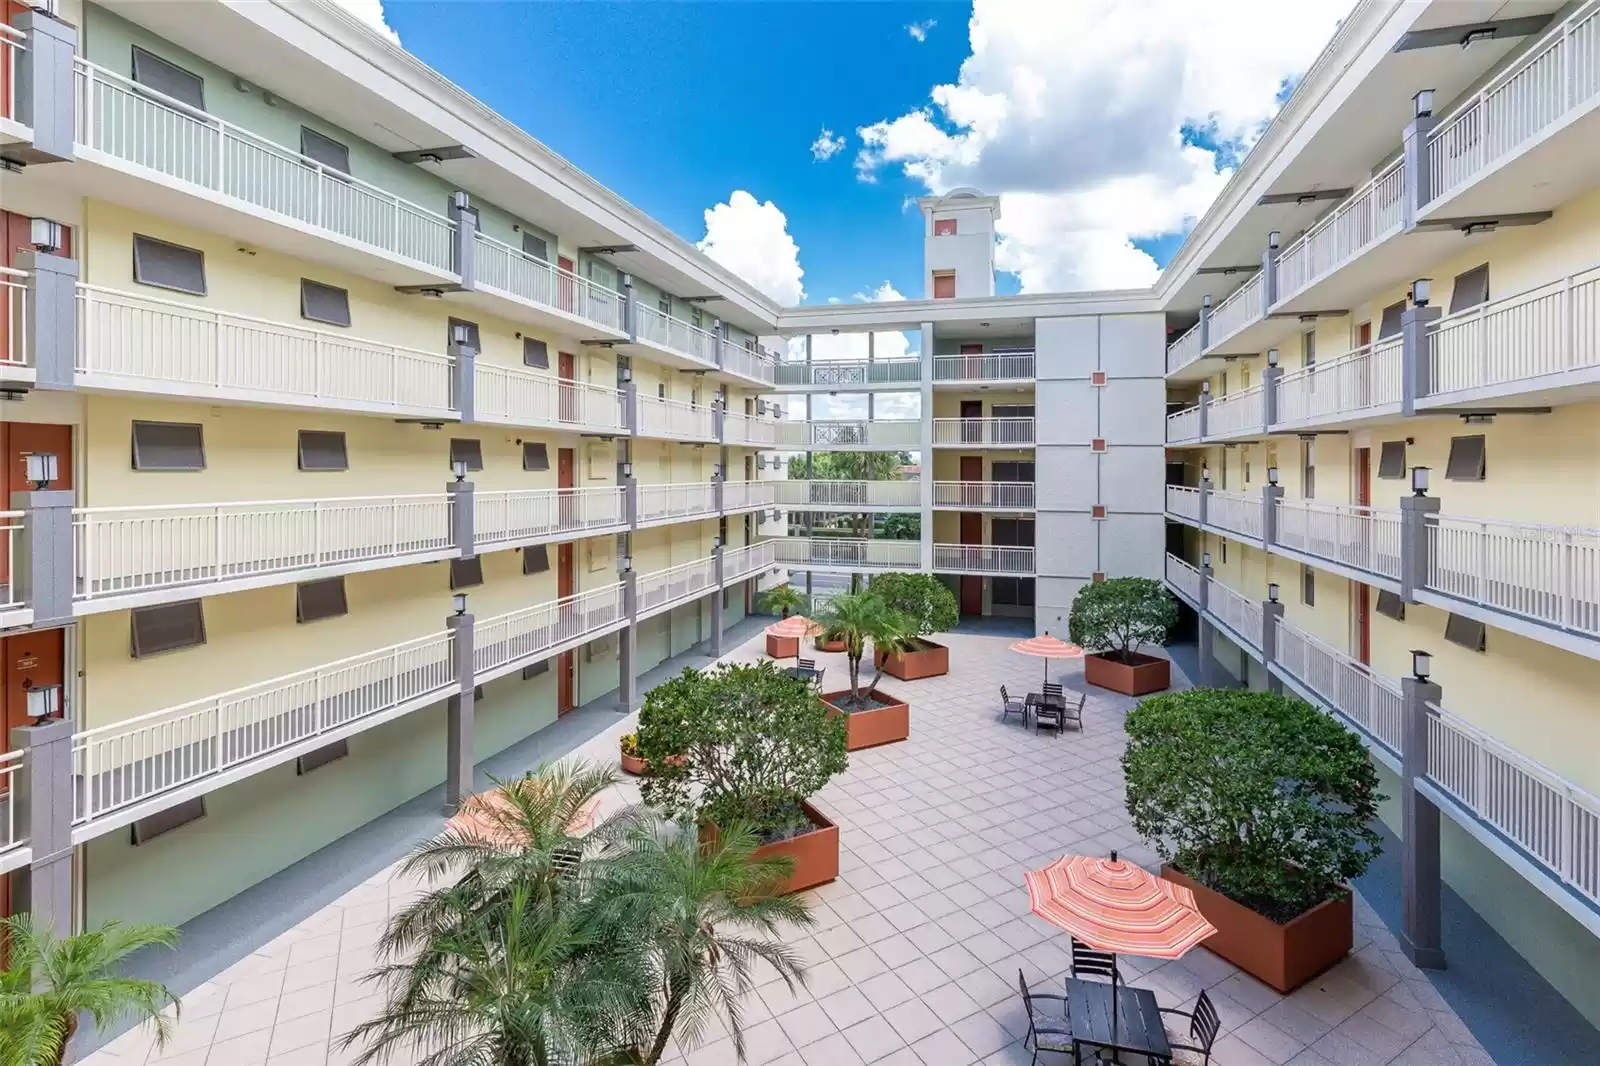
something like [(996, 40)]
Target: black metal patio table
[(1136, 1026)]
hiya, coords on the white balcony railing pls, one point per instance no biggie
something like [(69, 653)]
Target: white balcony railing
[(845, 373), (13, 314), (1370, 700), (140, 126), (1240, 613), (1521, 338), (1372, 213), (822, 494), (878, 433), (676, 335), (527, 398), (749, 495), (139, 343), (1362, 379), (11, 834), (1546, 574), (544, 284), (126, 763), (989, 366), (998, 432), (523, 515), (521, 636), (1183, 577), (983, 559), (1363, 538), (746, 429), (1241, 412), (1236, 512), (1551, 81), (984, 495), (11, 524), (12, 45), (854, 553), (756, 363), (1184, 350), (122, 551), (1183, 502), (662, 589), (1184, 425), (740, 563), (1244, 306), (658, 417), (1536, 808), (660, 502)]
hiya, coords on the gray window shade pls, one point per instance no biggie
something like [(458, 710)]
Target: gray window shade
[(535, 353), (468, 451), (536, 246), (167, 627), (1308, 586), (1012, 472), (324, 303), (465, 573), (325, 150), (323, 450), (463, 332), (1308, 347), (1389, 325), (316, 600), (168, 266), (168, 446), (1470, 289), (1308, 469), (1467, 459), (1390, 605), (535, 559), (1392, 459), (533, 670), (169, 79), (1467, 632), (316, 760), (166, 820), (535, 456), (1012, 410)]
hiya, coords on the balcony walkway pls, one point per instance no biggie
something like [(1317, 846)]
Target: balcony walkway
[(914, 957)]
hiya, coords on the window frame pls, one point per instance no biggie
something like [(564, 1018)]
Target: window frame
[(139, 465), (329, 435), (135, 651), (466, 573), (532, 449), (199, 79), (531, 344), (1475, 296), (307, 285), (338, 610), (144, 240), (1383, 459), (945, 227), (1455, 467), (532, 552), (470, 449), (944, 275), (309, 138)]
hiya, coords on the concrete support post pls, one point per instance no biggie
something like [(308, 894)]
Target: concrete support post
[(1416, 370), (1205, 498), (719, 418), (1414, 548), (463, 373), (50, 322), (459, 712), (44, 85), (1271, 615), (1420, 880), (716, 601), (1419, 180), (463, 516), (1269, 272), (1207, 653), (925, 449), (42, 567), (1205, 409), (630, 501), (630, 317), (464, 239), (630, 407), (717, 340), (42, 793), (718, 492), (627, 642), (1205, 322), (1271, 380), (1270, 495)]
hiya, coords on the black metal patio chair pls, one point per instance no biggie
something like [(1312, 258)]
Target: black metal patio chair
[(1049, 1028), (1091, 962), (1009, 706), (1204, 1025)]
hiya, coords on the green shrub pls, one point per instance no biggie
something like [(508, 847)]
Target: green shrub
[(926, 601), (782, 600), (1120, 615), (1259, 797)]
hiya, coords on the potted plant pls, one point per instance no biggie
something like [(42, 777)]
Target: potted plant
[(873, 716), (1117, 617), (928, 606), (631, 762), (746, 743), (1263, 806), (783, 600)]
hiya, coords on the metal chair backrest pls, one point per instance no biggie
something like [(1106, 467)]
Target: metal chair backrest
[(1206, 1024), (808, 664), (1004, 696), (1051, 689), (1088, 961)]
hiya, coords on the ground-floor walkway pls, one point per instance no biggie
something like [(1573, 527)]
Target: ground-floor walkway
[(916, 948)]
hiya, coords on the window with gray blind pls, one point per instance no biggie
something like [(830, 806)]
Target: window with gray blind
[(467, 451), (1011, 410), (169, 79), (323, 450), (536, 246), (1308, 586), (535, 456), (664, 305), (533, 670), (1467, 632), (168, 266), (324, 149), (465, 573), (1467, 460), (461, 331), (1018, 471), (316, 760), (1390, 605), (1389, 324), (1308, 347), (316, 600), (1470, 289), (167, 819), (535, 559), (166, 627), (324, 303), (168, 446), (535, 353), (1308, 469), (1392, 459)]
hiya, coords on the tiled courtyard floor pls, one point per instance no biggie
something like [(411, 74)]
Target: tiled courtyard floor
[(916, 948)]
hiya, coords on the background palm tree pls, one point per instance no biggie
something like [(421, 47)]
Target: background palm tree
[(782, 599), (858, 618), (50, 982)]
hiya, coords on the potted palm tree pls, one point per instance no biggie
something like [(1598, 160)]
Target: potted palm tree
[(856, 619), (1118, 617), (929, 607), (1263, 806), (783, 600)]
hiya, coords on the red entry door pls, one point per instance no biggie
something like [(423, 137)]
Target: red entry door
[(971, 584), (566, 464), (565, 663), (567, 286), (972, 481), (566, 368), (32, 660), (974, 361), (972, 424), (17, 440), (1363, 592)]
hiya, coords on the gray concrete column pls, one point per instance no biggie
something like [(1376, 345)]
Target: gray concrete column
[(1269, 272), (1207, 653), (1270, 495), (43, 794), (1418, 180), (717, 330), (718, 493), (463, 517), (44, 85), (1415, 512), (1271, 615), (1205, 322), (716, 602), (50, 324), (464, 239), (459, 714), (630, 408), (1205, 409), (42, 567), (1271, 379), (630, 317), (627, 643), (719, 418), (925, 445), (1416, 369), (1420, 879), (463, 374), (1205, 498)]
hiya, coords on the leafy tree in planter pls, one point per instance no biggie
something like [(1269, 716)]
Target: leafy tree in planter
[(926, 602), (782, 600), (738, 743), (1259, 797), (858, 618), (1120, 615)]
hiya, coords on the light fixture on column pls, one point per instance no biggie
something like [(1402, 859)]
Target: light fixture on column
[(41, 467), (1272, 475), (1205, 476), (1420, 291), (1205, 387), (1272, 592), (1273, 238), (1205, 559), (627, 469), (459, 468), (1422, 103), (460, 601), (1272, 357), (1421, 664), (45, 235), (1419, 481), (716, 542), (44, 703), (625, 564)]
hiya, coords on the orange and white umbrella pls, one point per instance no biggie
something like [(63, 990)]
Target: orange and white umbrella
[(796, 625), (492, 817), (1047, 647)]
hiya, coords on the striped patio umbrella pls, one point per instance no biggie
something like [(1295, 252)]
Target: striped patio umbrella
[(1047, 647), (795, 625)]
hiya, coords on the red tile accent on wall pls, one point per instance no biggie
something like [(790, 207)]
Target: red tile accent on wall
[(1097, 377), (1097, 576), (1098, 511), (1097, 445)]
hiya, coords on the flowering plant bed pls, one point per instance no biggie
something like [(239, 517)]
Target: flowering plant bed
[(874, 718)]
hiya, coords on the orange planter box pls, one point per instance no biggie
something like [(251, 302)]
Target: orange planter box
[(782, 647), (868, 729), (929, 660), (828, 645), (1145, 674), (815, 854)]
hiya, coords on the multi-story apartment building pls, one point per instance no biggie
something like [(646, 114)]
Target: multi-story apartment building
[(352, 436)]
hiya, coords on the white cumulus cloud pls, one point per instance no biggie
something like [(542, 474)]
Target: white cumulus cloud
[(370, 12), (752, 239), (1075, 115), (919, 30), (827, 145)]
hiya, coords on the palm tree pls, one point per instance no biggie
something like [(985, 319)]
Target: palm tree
[(783, 599), (693, 904), (859, 617), (51, 981)]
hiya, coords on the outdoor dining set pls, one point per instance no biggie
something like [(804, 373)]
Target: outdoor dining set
[(1053, 707)]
